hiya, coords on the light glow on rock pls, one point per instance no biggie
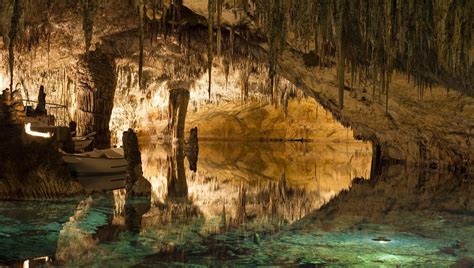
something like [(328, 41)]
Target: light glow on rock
[(3, 82)]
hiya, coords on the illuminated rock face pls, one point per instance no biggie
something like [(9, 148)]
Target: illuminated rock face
[(177, 109), (95, 96), (424, 132)]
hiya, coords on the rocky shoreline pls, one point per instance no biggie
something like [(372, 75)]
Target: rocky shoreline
[(33, 171)]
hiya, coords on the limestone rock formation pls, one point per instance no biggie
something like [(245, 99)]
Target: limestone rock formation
[(41, 174), (96, 80), (177, 109), (136, 183)]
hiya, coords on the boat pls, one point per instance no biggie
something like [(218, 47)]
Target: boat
[(102, 170), (81, 143), (97, 163)]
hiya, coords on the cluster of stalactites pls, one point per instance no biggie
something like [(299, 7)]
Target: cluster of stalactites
[(154, 14), (430, 41)]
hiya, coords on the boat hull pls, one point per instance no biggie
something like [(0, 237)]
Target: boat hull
[(101, 170), (94, 166)]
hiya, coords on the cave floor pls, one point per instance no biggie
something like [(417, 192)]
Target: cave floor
[(254, 204)]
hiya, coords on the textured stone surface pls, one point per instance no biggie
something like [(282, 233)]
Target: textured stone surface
[(33, 171), (96, 81), (136, 184), (434, 131)]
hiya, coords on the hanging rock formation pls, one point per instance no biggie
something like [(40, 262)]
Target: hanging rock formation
[(96, 81)]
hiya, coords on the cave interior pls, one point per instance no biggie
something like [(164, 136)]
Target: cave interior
[(237, 133)]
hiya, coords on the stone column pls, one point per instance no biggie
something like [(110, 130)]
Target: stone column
[(96, 82), (177, 109)]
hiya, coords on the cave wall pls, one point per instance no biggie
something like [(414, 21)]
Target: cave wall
[(433, 131)]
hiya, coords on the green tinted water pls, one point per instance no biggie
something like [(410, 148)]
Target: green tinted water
[(271, 206)]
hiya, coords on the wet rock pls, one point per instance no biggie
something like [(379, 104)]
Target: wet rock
[(33, 171), (136, 184)]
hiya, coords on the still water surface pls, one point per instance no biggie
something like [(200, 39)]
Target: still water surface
[(254, 204)]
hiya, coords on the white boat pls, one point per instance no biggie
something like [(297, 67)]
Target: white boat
[(97, 162), (81, 143)]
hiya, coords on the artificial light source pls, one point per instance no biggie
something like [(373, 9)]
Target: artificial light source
[(381, 239), (36, 133)]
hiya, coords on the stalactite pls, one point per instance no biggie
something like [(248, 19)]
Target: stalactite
[(232, 37), (17, 12), (341, 60), (219, 22), (276, 39), (210, 52), (142, 34), (88, 8)]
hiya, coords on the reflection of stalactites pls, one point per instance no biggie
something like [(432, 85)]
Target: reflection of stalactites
[(119, 207), (241, 204), (223, 224), (282, 187), (177, 185)]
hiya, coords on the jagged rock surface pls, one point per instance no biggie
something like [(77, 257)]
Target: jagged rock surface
[(33, 171), (96, 80)]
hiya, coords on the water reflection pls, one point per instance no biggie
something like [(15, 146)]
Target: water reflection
[(255, 182), (252, 204)]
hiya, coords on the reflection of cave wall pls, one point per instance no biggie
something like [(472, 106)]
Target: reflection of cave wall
[(398, 191), (95, 95), (280, 183)]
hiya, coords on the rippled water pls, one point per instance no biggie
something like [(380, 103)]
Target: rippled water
[(254, 204)]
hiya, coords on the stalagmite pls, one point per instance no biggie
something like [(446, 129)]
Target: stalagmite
[(96, 80), (192, 149), (136, 184)]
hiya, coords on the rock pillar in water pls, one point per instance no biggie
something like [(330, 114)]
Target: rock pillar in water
[(96, 81), (136, 183), (177, 109)]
